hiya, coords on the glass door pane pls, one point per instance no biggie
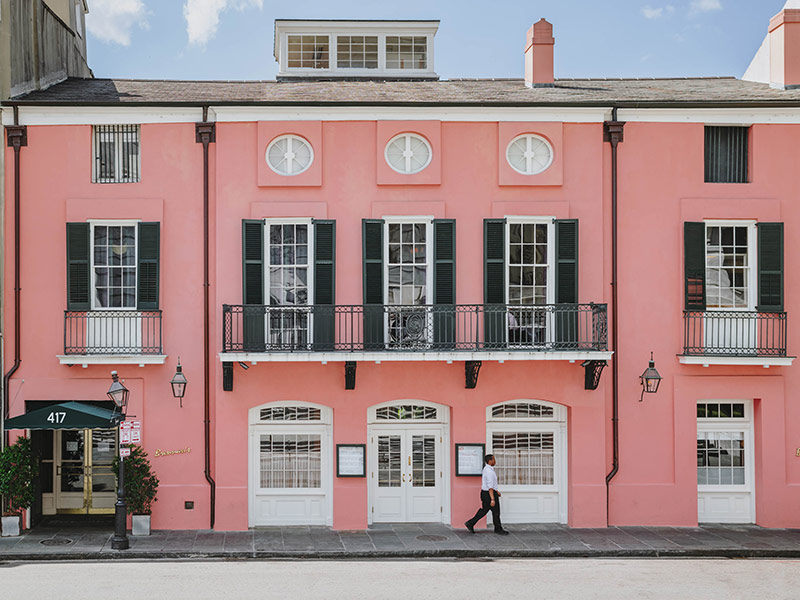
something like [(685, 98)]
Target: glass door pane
[(103, 452), (423, 461), (72, 459), (390, 460)]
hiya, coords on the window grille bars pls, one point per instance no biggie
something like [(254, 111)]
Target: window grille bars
[(117, 157)]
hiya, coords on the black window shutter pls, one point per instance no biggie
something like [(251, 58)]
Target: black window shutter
[(770, 267), (566, 276), (78, 266), (694, 265), (149, 245), (494, 282), (372, 239), (324, 284), (253, 285), (444, 282)]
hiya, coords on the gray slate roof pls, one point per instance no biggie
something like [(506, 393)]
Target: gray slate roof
[(588, 92)]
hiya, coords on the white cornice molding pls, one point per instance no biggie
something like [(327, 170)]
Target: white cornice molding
[(713, 116)]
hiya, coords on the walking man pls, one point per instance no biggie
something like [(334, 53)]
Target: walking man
[(490, 498)]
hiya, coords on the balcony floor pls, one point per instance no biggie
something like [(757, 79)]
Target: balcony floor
[(414, 356), (759, 361), (111, 359)]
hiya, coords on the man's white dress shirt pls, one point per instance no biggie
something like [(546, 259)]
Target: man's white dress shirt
[(489, 479)]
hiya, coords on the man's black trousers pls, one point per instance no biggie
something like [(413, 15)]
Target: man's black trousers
[(486, 506)]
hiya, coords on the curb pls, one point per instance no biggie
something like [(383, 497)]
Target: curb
[(406, 554)]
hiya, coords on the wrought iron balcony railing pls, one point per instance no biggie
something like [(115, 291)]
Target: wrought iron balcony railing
[(734, 333), (136, 332), (370, 328)]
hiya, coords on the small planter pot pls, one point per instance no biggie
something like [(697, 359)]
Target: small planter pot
[(11, 526), (140, 525)]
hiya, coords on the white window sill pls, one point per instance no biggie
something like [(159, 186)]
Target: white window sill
[(762, 361), (395, 356), (111, 359)]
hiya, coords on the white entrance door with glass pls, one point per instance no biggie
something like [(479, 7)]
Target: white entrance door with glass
[(730, 287), (76, 476), (114, 324), (529, 255), (529, 441), (289, 321), (291, 472), (408, 277), (407, 466), (725, 488)]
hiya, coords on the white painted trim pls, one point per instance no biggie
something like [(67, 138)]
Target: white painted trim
[(763, 361), (103, 115), (383, 356), (112, 359), (711, 116)]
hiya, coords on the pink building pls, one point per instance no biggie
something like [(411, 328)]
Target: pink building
[(403, 273)]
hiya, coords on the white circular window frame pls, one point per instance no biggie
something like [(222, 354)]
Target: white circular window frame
[(408, 135), (535, 136), (295, 138)]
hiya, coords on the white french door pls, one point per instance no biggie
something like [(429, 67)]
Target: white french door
[(406, 474)]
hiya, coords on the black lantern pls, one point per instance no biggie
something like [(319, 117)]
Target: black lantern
[(178, 383), (118, 393), (650, 379)]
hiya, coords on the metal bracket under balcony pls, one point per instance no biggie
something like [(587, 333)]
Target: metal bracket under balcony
[(466, 332), (112, 337), (718, 337)]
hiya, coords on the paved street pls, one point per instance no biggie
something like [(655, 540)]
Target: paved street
[(508, 579)]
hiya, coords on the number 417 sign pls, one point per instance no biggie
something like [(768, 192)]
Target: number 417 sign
[(130, 432)]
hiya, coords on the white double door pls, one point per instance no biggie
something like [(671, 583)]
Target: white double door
[(406, 474), (725, 488)]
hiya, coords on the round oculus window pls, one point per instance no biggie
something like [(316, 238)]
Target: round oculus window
[(289, 155), (529, 154), (408, 153)]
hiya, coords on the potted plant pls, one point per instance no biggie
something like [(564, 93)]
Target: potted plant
[(18, 468), (141, 488)]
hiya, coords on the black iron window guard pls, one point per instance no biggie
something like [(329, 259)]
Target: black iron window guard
[(734, 333), (384, 328), (112, 332)]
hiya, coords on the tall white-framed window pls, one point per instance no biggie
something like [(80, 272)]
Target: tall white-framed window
[(289, 281), (731, 265), (114, 265), (408, 280), (116, 154), (530, 259)]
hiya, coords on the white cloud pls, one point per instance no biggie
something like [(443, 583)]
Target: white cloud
[(650, 12), (111, 21), (700, 6), (202, 16)]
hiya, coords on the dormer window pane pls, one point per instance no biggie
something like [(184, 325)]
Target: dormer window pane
[(308, 51), (357, 52), (406, 52)]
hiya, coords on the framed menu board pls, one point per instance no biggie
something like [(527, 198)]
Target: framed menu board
[(351, 460), (469, 460)]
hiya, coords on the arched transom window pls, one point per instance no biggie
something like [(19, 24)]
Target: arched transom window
[(522, 410), (404, 412), (290, 413)]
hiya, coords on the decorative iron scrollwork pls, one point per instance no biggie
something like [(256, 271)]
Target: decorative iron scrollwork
[(350, 375), (471, 370), (593, 371)]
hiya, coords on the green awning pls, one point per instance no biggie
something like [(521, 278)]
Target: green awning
[(67, 415)]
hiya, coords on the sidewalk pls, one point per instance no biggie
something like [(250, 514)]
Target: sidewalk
[(408, 541)]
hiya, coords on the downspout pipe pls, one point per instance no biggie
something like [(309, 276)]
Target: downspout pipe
[(613, 134), (17, 139), (205, 133)]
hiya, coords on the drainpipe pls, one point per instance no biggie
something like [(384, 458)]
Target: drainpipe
[(205, 133), (613, 133), (17, 139)]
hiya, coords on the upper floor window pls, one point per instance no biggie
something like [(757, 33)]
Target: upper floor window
[(726, 150), (289, 155), (406, 52), (357, 51), (117, 157), (408, 153), (529, 154), (308, 51), (730, 250), (114, 265)]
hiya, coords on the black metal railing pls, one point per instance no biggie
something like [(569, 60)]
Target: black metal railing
[(734, 333), (112, 332), (370, 328)]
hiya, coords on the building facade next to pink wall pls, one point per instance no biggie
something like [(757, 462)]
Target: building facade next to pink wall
[(405, 273)]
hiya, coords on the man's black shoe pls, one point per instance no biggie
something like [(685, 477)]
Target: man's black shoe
[(471, 528), (502, 532)]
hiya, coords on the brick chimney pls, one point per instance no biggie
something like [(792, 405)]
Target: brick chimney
[(784, 49), (539, 55)]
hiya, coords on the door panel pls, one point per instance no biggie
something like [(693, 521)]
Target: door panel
[(85, 482)]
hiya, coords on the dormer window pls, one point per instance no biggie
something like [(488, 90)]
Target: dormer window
[(355, 49)]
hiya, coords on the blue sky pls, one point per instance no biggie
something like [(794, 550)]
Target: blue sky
[(594, 38)]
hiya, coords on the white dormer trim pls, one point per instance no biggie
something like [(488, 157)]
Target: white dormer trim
[(332, 29)]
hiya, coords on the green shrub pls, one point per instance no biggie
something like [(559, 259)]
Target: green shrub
[(18, 469), (141, 484)]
